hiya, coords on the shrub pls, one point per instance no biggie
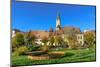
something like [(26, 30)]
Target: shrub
[(45, 48), (15, 53), (33, 48), (69, 54), (20, 51)]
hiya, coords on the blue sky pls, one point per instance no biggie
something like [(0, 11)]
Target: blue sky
[(41, 16)]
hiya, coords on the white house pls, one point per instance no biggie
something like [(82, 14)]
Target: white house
[(14, 31)]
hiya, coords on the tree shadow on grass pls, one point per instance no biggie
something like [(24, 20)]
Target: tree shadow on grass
[(68, 54)]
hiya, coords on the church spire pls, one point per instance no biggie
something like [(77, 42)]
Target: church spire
[(58, 22)]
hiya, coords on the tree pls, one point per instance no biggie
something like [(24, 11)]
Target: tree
[(45, 40), (51, 40), (89, 39), (58, 41), (44, 47), (72, 42), (18, 40), (29, 39)]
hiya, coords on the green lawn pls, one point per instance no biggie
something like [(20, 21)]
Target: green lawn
[(80, 55)]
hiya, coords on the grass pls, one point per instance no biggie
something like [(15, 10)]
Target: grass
[(80, 55)]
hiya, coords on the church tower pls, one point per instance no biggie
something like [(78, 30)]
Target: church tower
[(58, 22)]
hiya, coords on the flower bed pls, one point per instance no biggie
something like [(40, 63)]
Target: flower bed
[(38, 57), (46, 56), (54, 55)]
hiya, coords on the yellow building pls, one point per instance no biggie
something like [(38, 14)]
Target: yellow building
[(80, 39)]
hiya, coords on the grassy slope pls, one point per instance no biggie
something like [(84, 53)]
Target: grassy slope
[(78, 56)]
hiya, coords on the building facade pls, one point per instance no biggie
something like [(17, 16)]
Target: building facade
[(80, 39)]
